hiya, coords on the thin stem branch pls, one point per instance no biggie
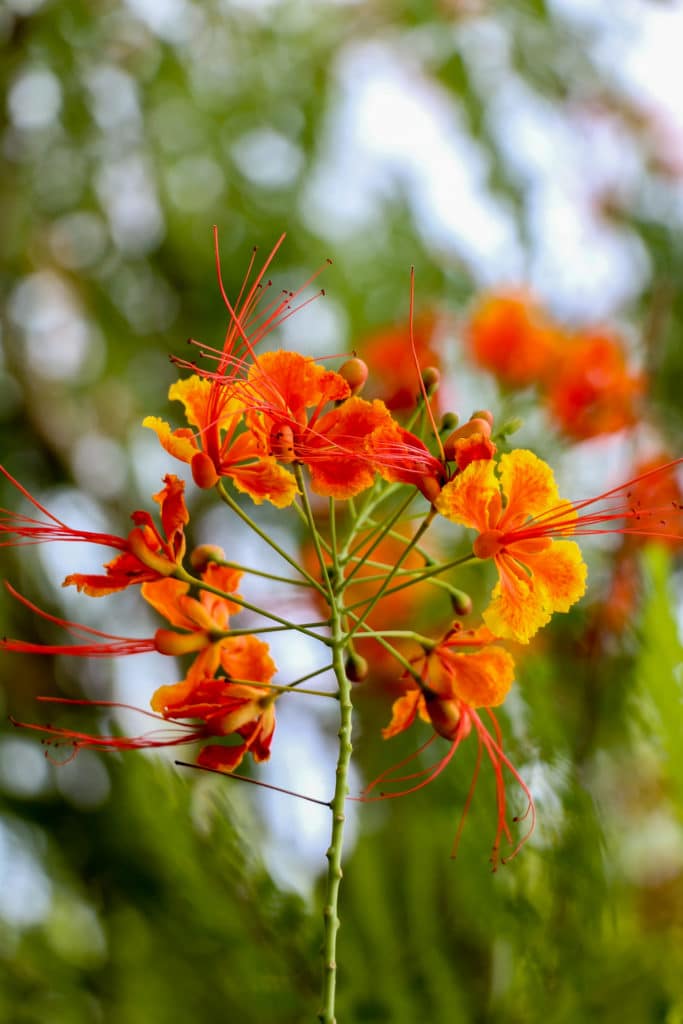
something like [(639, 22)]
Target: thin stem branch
[(203, 585), (233, 505), (382, 590)]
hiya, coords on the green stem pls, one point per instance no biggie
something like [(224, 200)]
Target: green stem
[(310, 522), (182, 574), (425, 576), (260, 572), (232, 504), (382, 590), (334, 852)]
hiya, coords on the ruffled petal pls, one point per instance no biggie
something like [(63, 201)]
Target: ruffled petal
[(265, 480), (403, 712), (481, 679), (163, 595), (247, 657), (561, 573), (335, 451), (181, 444), (528, 485), (194, 393), (467, 498)]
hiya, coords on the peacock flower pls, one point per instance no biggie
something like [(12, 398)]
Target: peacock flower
[(286, 397), (464, 672), (511, 337), (220, 446), (592, 390), (517, 511), (522, 524), (147, 553), (214, 708)]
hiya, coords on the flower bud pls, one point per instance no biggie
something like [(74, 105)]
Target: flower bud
[(205, 553), (483, 414), (356, 667), (460, 602), (168, 641), (449, 421), (431, 378), (473, 426), (355, 373)]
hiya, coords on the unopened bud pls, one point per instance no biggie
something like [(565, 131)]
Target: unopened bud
[(449, 421), (205, 553), (356, 667), (168, 641), (461, 602), (509, 427), (483, 414), (203, 471), (431, 378), (355, 373), (473, 426)]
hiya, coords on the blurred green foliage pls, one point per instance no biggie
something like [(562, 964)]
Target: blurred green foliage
[(129, 129)]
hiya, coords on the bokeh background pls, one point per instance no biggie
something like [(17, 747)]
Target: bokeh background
[(534, 145)]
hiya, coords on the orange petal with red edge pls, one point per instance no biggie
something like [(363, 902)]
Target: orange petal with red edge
[(403, 712), (481, 679)]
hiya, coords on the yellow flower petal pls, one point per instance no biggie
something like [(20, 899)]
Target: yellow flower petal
[(561, 572), (528, 485), (179, 443), (481, 679), (467, 498)]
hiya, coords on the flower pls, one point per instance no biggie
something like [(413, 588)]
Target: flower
[(520, 518), (454, 683), (282, 388), (591, 390), (393, 375), (513, 338), (221, 446), (538, 575), (147, 553), (217, 708)]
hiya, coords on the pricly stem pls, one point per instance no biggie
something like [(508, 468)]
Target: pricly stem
[(334, 852)]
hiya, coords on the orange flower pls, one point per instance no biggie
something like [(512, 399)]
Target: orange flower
[(519, 519), (454, 684), (393, 375), (592, 390), (147, 553), (221, 446), (538, 575), (282, 388), (224, 708), (452, 678), (216, 707), (510, 336)]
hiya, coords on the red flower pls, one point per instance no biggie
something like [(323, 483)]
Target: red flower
[(510, 336), (592, 390), (454, 684), (147, 553), (220, 708)]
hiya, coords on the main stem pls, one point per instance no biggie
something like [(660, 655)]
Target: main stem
[(334, 853)]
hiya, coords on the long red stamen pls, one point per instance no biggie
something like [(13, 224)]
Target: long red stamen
[(563, 521), (413, 350), (119, 646)]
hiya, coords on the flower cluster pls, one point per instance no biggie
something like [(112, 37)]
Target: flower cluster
[(280, 427), (585, 377)]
